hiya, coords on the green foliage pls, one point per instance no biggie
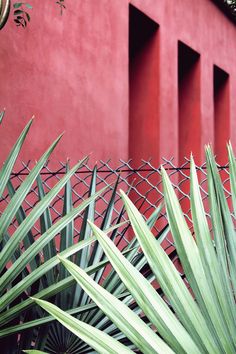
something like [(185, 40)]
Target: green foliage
[(21, 15), (30, 267), (20, 12), (201, 319), (26, 276)]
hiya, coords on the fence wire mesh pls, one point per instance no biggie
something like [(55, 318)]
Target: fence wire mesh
[(143, 184)]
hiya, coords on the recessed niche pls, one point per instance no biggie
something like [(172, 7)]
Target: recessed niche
[(189, 102), (143, 86), (221, 113)]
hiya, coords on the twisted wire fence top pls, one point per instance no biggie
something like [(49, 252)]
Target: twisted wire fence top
[(143, 183)]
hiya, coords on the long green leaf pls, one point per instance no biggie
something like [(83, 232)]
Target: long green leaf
[(225, 216), (220, 294), (67, 234), (21, 262), (148, 300), (170, 281), (11, 159), (83, 258), (49, 250), (232, 175), (190, 259), (97, 250), (24, 188), (218, 230), (65, 298), (28, 239), (48, 319), (98, 340), (112, 282), (27, 224), (48, 292), (127, 321)]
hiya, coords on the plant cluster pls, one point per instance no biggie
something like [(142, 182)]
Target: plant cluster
[(29, 267), (200, 321), (54, 299)]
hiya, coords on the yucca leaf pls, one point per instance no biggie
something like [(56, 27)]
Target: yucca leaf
[(217, 226), (24, 188), (98, 254), (190, 259), (155, 215), (48, 292), (67, 234), (28, 239), (65, 298), (220, 295), (170, 280), (49, 250), (225, 217), (127, 321), (38, 273), (48, 319), (97, 250), (148, 300), (232, 244), (112, 282), (22, 261), (232, 175), (11, 159), (27, 224), (98, 340), (82, 259)]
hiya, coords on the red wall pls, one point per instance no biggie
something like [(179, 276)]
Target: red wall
[(72, 73)]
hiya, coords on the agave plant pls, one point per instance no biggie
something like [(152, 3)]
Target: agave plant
[(201, 318), (35, 270), (52, 337), (21, 270), (31, 270)]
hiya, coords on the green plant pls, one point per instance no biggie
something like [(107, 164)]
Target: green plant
[(27, 270), (30, 267), (201, 319), (21, 14), (74, 299)]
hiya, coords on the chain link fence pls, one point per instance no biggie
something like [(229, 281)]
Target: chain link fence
[(143, 185)]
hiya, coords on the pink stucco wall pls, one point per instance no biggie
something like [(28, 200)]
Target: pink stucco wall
[(71, 72)]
